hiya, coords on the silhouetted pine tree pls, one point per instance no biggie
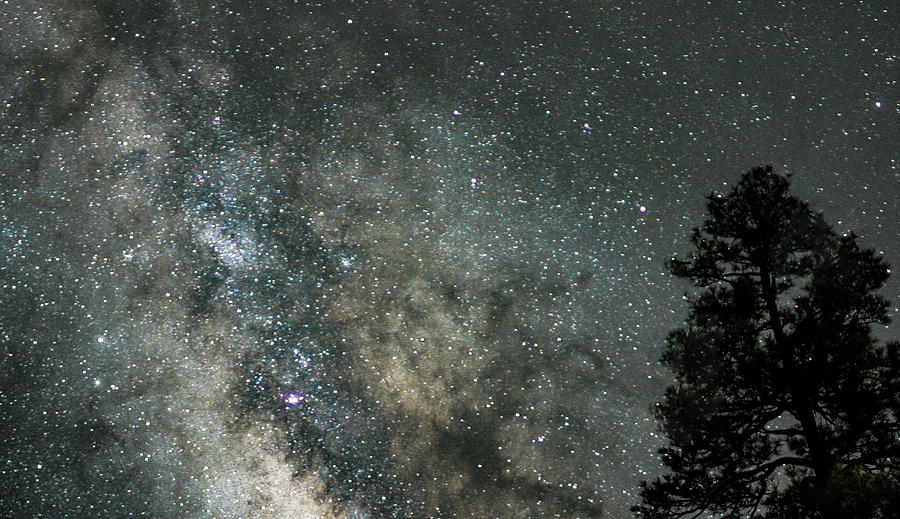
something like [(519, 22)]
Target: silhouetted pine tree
[(784, 404)]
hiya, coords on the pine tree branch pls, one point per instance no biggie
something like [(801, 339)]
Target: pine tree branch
[(771, 466), (759, 498), (784, 432)]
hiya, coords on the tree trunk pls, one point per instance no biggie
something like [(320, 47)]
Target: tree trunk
[(802, 398)]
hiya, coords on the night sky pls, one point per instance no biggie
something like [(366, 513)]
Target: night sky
[(280, 259)]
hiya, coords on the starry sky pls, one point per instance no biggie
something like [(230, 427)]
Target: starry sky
[(366, 259)]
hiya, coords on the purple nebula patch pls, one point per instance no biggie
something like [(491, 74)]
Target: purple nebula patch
[(292, 398)]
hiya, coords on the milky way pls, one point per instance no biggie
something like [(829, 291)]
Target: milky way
[(384, 259)]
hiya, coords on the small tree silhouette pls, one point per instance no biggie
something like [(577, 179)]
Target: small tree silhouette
[(784, 404)]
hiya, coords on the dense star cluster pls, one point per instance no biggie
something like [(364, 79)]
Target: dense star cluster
[(387, 259)]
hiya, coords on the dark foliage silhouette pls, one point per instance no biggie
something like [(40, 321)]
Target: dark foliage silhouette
[(784, 404)]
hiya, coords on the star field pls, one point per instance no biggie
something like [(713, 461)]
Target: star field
[(388, 259)]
